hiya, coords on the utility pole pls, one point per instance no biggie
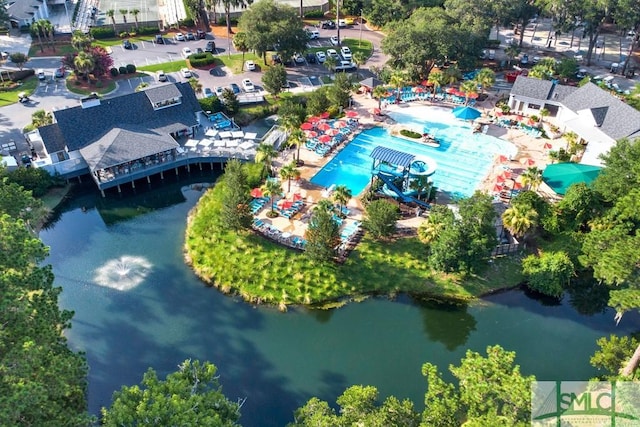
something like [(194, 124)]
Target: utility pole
[(338, 19), (361, 25)]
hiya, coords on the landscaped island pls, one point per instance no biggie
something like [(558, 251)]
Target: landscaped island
[(264, 272), (413, 136)]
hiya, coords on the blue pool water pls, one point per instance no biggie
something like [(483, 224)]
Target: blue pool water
[(463, 158)]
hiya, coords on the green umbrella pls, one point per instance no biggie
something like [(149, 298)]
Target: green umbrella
[(560, 176)]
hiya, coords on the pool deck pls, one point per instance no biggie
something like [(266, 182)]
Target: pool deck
[(530, 149)]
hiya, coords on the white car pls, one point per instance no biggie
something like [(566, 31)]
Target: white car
[(250, 65), (180, 37), (248, 86), (162, 77), (186, 52), (298, 58), (342, 23), (218, 91), (334, 40), (321, 57), (331, 53), (186, 73), (346, 52), (313, 34)]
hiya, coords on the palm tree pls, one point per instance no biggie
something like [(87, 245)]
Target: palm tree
[(468, 87), (237, 4), (420, 183), (124, 12), (84, 63), (429, 230), (359, 58), (41, 118), (519, 219), (111, 14), (398, 80), (265, 153), (135, 13), (240, 43), (512, 51), (36, 29), (452, 75), (543, 113), (271, 189), (80, 41), (485, 79), (48, 30), (297, 137), (195, 85), (437, 79), (532, 178), (378, 93), (289, 171), (342, 194), (325, 205)]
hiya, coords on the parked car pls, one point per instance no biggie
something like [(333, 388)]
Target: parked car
[(275, 59), (333, 54), (218, 91), (191, 36), (234, 88), (345, 52), (59, 73), (127, 44), (328, 25), (342, 23), (26, 160), (313, 33), (186, 52), (162, 77), (310, 57), (186, 73), (299, 59), (201, 34), (159, 39), (210, 47), (41, 75), (207, 92), (248, 86), (250, 65), (320, 56), (180, 37), (199, 50), (524, 60)]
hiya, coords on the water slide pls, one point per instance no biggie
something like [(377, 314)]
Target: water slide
[(401, 196)]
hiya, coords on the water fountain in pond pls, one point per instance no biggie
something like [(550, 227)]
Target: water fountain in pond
[(123, 273)]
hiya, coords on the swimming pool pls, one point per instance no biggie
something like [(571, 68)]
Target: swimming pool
[(463, 158)]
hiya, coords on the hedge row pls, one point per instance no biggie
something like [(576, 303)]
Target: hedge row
[(201, 59), (100, 33), (129, 69)]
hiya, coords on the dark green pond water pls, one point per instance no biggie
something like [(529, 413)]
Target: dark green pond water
[(137, 305)]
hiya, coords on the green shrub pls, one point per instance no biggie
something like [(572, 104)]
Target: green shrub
[(122, 70), (201, 59), (102, 33), (131, 68), (124, 35), (312, 14), (99, 84), (187, 22), (147, 30), (223, 21), (212, 104), (410, 134), (114, 72)]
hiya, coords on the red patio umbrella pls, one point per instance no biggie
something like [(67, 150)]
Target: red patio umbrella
[(528, 161), (548, 146), (284, 203), (377, 111), (497, 188), (417, 89), (451, 90), (332, 132), (519, 117), (501, 178), (472, 95), (314, 119), (503, 159), (256, 192), (325, 115), (324, 138), (324, 126), (310, 133), (517, 185), (352, 114), (297, 196), (306, 126), (506, 174), (339, 124)]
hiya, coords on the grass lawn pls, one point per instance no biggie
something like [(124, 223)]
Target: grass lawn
[(61, 50), (366, 47), (11, 96), (261, 271), (85, 89), (167, 67), (234, 62)]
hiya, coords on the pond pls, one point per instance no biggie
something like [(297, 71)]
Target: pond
[(137, 305)]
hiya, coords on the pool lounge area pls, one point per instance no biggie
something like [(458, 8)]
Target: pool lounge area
[(463, 159)]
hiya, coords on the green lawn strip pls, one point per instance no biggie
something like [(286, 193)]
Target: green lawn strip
[(366, 47), (167, 67), (234, 62), (11, 96), (61, 50), (118, 41), (261, 271)]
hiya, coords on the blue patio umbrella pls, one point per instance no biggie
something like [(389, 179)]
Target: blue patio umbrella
[(466, 113)]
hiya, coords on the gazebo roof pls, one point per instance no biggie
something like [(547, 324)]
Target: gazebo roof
[(371, 82)]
